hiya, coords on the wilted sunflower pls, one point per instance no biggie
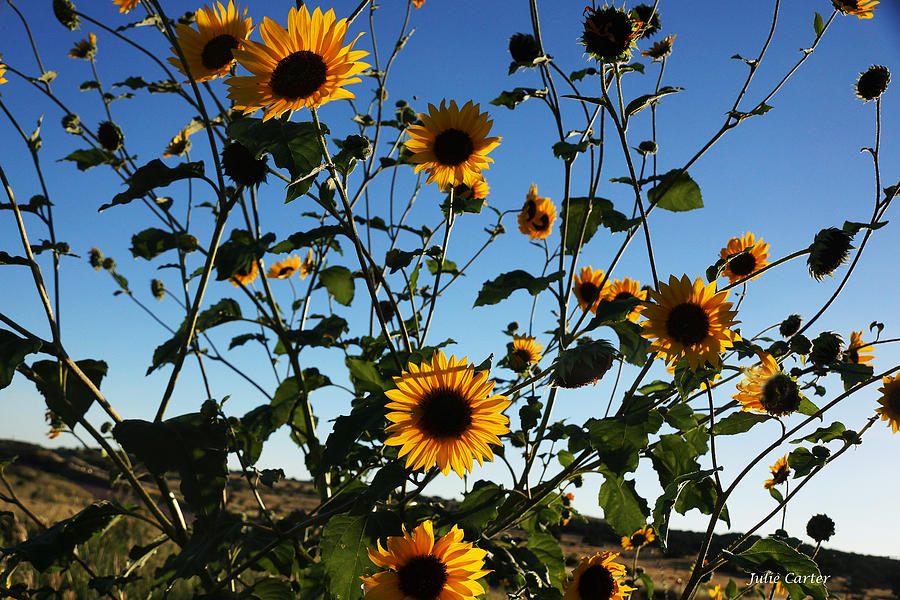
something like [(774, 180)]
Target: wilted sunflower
[(747, 263), (452, 143), (766, 389), (180, 144), (305, 65), (780, 472), (598, 577), (208, 50), (242, 167), (444, 415), (690, 320), (110, 136), (890, 401), (854, 353), (425, 569), (126, 6), (537, 215), (284, 268), (244, 276), (624, 289), (639, 538), (85, 49), (861, 8), (660, 49), (525, 351), (587, 288), (820, 528), (609, 33)]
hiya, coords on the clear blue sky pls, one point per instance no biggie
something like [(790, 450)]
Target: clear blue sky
[(783, 176)]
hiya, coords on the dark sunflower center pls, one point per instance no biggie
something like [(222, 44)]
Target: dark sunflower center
[(530, 209), (285, 271), (596, 583), (521, 356), (217, 51), (453, 147), (542, 223), (423, 577), (688, 323), (780, 395), (298, 75), (894, 401), (589, 292), (743, 264), (445, 414), (853, 355), (638, 539), (623, 296)]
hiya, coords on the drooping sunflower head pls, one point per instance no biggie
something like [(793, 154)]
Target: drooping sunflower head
[(537, 215), (689, 320), (208, 50), (609, 33), (890, 402), (750, 257), (872, 83), (443, 414), (598, 577), (85, 49), (180, 144), (780, 472), (586, 363), (424, 569), (305, 65), (525, 351), (820, 528), (452, 144), (589, 288), (524, 48), (767, 389), (861, 8), (661, 49), (242, 167), (790, 325), (126, 6), (110, 136), (623, 290), (245, 276), (66, 14), (829, 250), (826, 348), (284, 268), (855, 352), (649, 19), (639, 538)]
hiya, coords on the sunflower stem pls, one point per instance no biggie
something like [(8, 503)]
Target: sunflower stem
[(440, 266)]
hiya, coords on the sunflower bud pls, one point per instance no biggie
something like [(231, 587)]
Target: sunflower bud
[(828, 251), (513, 326), (242, 167), (800, 344), (387, 309), (790, 326), (110, 136), (780, 395), (609, 33), (826, 348), (584, 364), (647, 147), (820, 528), (109, 264), (358, 146), (651, 24), (578, 481), (72, 124), (65, 14), (820, 451), (158, 289), (523, 48), (95, 257), (188, 243), (872, 83)]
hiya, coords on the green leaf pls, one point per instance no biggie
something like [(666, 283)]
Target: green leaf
[(853, 228), (818, 25), (853, 373), (776, 495), (673, 457), (479, 506), (620, 440), (511, 99), (676, 192), (13, 351), (338, 281), (258, 424), (688, 380), (365, 376), (701, 494), (272, 588), (239, 252), (738, 422), (632, 344), (367, 415), (71, 401), (325, 334), (549, 552), (500, 288), (642, 102), (567, 152), (153, 175), (623, 509), (662, 511), (779, 558), (306, 239), (576, 208), (680, 416), (824, 434), (85, 159), (344, 555), (400, 259), (802, 461), (152, 242), (599, 101)]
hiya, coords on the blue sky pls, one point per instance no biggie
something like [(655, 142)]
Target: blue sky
[(783, 176)]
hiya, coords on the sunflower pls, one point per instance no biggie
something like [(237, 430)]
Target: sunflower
[(690, 320), (126, 6), (609, 33), (444, 415), (890, 402), (598, 577), (854, 353), (425, 569), (478, 191), (452, 143), (767, 389), (2, 70), (752, 259), (624, 289), (306, 65), (717, 593), (208, 50), (525, 351), (639, 538), (285, 268), (307, 266), (661, 49), (56, 424), (418, 3), (780, 472), (872, 82), (244, 276), (537, 215), (85, 49), (861, 8), (587, 288), (179, 145)]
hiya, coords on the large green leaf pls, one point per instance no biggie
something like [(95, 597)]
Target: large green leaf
[(642, 102), (153, 175), (824, 434), (676, 192), (338, 280), (239, 253), (573, 218), (480, 505), (344, 543), (673, 457), (549, 552), (224, 311), (773, 555), (623, 509), (91, 157), (662, 511), (620, 440), (515, 97), (500, 288), (72, 400), (738, 422), (13, 351)]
